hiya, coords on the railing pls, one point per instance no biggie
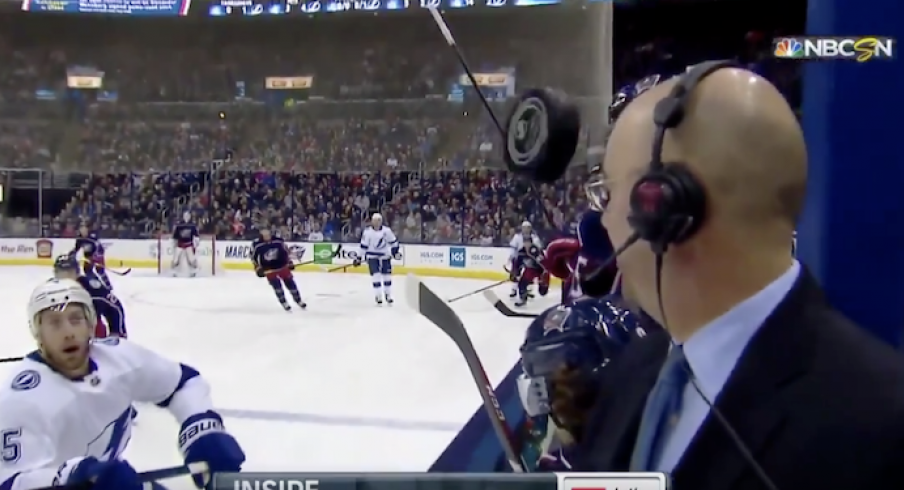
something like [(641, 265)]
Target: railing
[(484, 206)]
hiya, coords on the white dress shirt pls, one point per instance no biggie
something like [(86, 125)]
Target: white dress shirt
[(712, 353)]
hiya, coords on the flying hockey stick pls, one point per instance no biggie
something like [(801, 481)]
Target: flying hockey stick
[(503, 308), (148, 477), (432, 307), (472, 293)]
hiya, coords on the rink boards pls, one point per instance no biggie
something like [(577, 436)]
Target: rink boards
[(430, 260)]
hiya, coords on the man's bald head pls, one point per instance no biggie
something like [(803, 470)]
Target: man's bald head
[(741, 141), (739, 137)]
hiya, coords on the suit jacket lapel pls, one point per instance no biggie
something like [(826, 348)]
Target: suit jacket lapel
[(750, 401), (608, 444)]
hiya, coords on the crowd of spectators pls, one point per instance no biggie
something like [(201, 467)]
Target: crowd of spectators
[(184, 122)]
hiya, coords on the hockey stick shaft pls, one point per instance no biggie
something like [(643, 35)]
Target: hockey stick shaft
[(11, 359), (477, 291), (108, 269), (427, 303), (148, 477)]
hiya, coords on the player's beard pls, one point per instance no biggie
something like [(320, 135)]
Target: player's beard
[(71, 360)]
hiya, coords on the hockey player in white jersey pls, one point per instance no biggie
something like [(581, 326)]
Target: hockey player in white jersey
[(521, 241), (379, 246), (67, 407), (185, 245)]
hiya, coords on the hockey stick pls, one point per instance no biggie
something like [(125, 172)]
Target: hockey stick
[(340, 268), (148, 477), (503, 308), (11, 359), (472, 293), (432, 307), (313, 261), (113, 271)]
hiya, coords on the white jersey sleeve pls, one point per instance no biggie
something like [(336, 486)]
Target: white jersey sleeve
[(378, 244), (49, 423), (516, 244)]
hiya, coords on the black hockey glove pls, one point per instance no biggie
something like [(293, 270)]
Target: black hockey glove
[(259, 271), (291, 266)]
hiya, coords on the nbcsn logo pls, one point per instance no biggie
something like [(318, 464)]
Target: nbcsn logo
[(861, 49)]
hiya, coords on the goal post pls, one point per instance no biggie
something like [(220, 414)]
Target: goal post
[(206, 253)]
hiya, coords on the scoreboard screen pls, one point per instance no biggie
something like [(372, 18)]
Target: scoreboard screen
[(439, 481)]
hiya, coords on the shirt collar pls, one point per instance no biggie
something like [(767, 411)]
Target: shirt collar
[(714, 350)]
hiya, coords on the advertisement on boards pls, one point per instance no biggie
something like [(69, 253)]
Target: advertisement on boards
[(458, 257)]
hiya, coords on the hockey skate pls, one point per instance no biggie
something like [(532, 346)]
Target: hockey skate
[(379, 300), (389, 300)]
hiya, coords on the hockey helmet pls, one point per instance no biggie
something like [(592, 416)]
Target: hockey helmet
[(58, 294), (582, 338)]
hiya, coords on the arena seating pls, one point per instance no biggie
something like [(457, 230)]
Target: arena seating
[(376, 132)]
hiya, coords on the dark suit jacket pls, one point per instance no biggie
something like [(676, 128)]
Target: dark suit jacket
[(817, 400)]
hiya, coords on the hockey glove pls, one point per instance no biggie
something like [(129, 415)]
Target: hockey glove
[(259, 271), (396, 254), (203, 439), (105, 475), (291, 266)]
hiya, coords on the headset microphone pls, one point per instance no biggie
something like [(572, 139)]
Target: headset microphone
[(667, 204)]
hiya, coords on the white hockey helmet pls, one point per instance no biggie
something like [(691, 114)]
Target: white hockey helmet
[(376, 217), (526, 224), (58, 293)]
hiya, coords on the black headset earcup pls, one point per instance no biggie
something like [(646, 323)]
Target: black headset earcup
[(542, 133), (667, 206)]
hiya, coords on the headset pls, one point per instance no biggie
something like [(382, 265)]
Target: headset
[(667, 203)]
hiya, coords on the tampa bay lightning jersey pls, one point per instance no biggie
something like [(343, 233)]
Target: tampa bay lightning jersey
[(378, 243), (49, 423)]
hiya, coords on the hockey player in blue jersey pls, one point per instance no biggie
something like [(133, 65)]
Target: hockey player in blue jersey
[(93, 250), (111, 316), (272, 259), (565, 350)]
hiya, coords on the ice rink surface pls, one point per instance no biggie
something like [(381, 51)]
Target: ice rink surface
[(343, 386)]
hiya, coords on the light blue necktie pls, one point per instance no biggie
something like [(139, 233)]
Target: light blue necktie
[(661, 411)]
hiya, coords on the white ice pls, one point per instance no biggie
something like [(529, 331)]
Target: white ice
[(343, 386)]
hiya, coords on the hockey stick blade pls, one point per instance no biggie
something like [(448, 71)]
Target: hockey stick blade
[(503, 308), (148, 477), (428, 304)]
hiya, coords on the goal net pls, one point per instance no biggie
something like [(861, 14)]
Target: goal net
[(206, 254)]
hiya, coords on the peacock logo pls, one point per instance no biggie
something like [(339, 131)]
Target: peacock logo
[(788, 48)]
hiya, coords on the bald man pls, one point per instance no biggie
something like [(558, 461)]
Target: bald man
[(815, 400)]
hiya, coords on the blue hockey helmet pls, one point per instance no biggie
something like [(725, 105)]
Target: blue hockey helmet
[(65, 264), (629, 92), (595, 188), (581, 338)]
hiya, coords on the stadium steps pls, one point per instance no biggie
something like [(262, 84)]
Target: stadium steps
[(69, 141), (454, 141)]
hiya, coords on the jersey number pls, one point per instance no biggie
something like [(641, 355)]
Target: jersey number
[(12, 450)]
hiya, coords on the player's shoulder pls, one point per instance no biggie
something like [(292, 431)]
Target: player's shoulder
[(30, 386), (116, 351)]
